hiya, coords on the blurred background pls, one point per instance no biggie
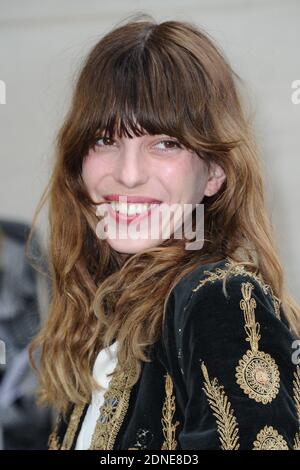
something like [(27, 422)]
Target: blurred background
[(42, 46)]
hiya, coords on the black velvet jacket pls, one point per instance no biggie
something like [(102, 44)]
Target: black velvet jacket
[(224, 375)]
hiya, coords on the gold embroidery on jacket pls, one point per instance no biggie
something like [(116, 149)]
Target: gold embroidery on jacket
[(296, 390), (267, 289), (240, 270), (257, 372), (297, 441), (212, 276), (112, 411), (221, 407), (269, 439), (53, 441), (169, 406), (72, 427)]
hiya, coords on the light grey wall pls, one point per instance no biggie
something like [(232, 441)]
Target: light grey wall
[(43, 43)]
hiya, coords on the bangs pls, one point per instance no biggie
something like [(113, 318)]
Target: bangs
[(138, 92)]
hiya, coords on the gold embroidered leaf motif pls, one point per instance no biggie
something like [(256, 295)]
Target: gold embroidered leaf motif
[(226, 421), (257, 373), (212, 276), (296, 390), (269, 439), (169, 406)]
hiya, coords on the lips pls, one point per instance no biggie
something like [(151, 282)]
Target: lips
[(131, 199), (121, 218)]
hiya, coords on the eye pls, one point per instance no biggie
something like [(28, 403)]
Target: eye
[(105, 142), (169, 141)]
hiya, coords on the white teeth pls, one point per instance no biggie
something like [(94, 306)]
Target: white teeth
[(130, 209)]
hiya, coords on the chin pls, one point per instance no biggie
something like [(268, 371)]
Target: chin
[(132, 246)]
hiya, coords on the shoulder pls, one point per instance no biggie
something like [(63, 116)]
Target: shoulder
[(222, 310), (225, 288)]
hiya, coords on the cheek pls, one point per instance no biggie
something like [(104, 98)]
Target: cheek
[(86, 171), (186, 178), (91, 171), (197, 179), (177, 170)]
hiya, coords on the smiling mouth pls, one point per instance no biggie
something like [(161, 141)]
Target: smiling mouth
[(128, 212)]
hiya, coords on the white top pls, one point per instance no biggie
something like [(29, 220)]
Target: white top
[(105, 363)]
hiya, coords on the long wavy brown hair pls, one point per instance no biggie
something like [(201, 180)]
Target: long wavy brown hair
[(159, 78)]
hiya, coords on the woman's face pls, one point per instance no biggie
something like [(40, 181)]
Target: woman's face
[(150, 168)]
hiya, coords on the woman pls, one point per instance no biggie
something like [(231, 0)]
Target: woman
[(150, 344)]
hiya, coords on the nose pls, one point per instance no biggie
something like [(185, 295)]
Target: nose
[(131, 168)]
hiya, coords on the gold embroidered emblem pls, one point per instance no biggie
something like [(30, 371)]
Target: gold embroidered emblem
[(257, 372), (169, 406), (269, 439), (296, 390), (221, 407)]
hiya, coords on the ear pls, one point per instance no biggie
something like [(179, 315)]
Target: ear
[(215, 179)]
